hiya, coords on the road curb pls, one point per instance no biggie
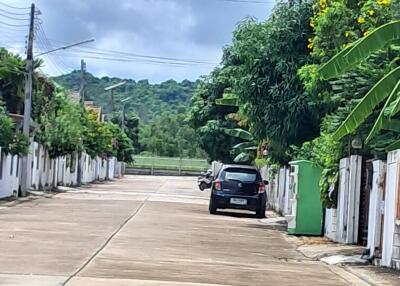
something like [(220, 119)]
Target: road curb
[(349, 276)]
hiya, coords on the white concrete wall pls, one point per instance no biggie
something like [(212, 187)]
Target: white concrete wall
[(278, 189), (111, 167), (9, 181), (119, 170), (47, 173), (376, 206), (331, 223), (349, 199), (282, 193), (392, 179)]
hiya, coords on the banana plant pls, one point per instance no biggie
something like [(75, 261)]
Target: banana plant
[(387, 88), (246, 147)]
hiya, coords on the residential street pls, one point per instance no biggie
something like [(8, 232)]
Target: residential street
[(146, 231)]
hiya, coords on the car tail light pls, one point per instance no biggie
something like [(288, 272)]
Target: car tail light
[(261, 188), (217, 185)]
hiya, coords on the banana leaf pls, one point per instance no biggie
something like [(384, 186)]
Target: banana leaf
[(252, 148), (360, 50), (376, 40), (229, 101), (239, 133), (335, 66), (379, 121), (242, 158), (392, 125), (381, 90), (393, 146), (243, 145), (396, 107)]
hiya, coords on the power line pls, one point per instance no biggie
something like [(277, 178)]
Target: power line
[(14, 25), (13, 7), (133, 58), (13, 13), (43, 47), (51, 47), (125, 60), (108, 52), (13, 18)]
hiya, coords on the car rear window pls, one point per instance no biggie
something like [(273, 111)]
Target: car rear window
[(242, 175)]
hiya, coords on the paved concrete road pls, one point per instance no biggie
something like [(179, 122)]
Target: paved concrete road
[(146, 231)]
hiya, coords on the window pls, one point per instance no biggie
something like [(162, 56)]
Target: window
[(242, 175)]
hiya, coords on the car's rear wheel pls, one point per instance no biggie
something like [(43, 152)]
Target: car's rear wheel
[(212, 207), (260, 212)]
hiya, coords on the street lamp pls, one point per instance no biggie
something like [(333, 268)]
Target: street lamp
[(124, 102), (111, 90)]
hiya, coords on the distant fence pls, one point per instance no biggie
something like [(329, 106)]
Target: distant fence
[(170, 164)]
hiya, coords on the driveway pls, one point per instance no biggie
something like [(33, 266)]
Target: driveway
[(146, 231)]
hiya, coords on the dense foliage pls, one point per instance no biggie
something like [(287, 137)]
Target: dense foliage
[(147, 100), (260, 70), (271, 74), (11, 142), (169, 135), (154, 116), (64, 126), (209, 119), (336, 25)]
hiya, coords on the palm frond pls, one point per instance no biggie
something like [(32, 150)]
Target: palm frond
[(239, 133)]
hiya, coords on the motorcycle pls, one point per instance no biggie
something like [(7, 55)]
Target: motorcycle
[(205, 180)]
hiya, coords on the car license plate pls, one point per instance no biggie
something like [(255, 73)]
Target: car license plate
[(236, 201)]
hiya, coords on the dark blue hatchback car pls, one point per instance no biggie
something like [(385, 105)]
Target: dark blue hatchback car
[(238, 187)]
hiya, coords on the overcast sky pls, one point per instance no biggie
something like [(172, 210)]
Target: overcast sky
[(193, 30)]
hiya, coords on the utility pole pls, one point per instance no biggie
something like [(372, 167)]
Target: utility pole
[(111, 100), (82, 87), (111, 90), (25, 166), (82, 101), (122, 120)]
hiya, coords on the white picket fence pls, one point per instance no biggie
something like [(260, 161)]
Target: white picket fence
[(341, 224), (47, 173)]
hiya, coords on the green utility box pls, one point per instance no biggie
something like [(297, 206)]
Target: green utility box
[(304, 204)]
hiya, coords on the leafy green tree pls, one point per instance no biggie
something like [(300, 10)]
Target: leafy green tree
[(263, 61), (60, 127), (147, 100), (121, 144), (169, 135), (11, 142), (12, 76), (98, 139), (210, 119)]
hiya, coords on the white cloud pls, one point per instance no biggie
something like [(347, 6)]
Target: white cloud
[(191, 29)]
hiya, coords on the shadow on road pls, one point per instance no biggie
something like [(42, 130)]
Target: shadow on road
[(236, 214), (276, 226)]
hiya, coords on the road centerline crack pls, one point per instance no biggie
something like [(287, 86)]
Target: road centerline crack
[(97, 252)]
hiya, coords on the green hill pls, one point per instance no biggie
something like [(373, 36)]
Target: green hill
[(148, 100), (161, 109)]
